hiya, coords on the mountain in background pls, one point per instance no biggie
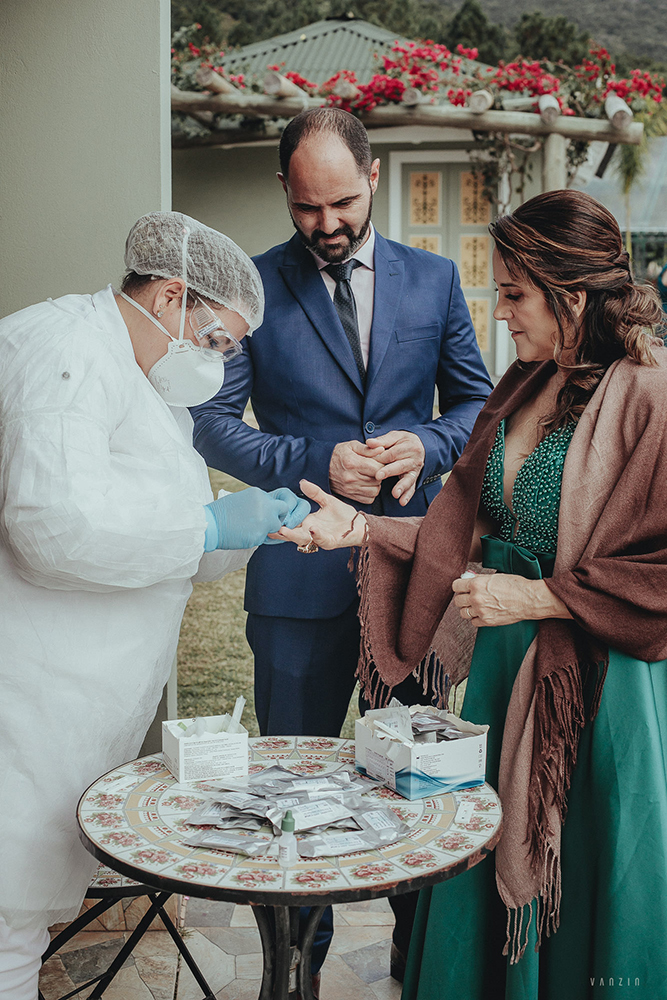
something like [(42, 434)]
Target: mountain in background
[(632, 26), (632, 30)]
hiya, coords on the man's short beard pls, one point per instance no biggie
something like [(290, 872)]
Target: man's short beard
[(334, 255)]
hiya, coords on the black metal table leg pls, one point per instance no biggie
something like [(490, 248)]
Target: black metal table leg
[(77, 925), (283, 962), (156, 901), (304, 974), (287, 961), (185, 952), (105, 978), (267, 938)]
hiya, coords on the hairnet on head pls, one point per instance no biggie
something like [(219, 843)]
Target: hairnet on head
[(216, 267)]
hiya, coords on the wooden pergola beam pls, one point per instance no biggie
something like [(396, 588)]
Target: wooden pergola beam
[(516, 122), (250, 104)]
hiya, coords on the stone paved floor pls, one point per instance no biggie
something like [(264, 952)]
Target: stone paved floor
[(224, 940)]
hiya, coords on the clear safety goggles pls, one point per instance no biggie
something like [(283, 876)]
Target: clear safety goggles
[(208, 327)]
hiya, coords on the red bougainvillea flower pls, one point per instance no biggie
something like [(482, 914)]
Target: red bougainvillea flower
[(459, 96), (526, 77), (301, 81), (381, 89), (467, 53), (436, 72), (640, 84)]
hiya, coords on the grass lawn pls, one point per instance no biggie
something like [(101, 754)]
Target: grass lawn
[(214, 660)]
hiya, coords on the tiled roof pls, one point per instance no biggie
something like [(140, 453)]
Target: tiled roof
[(318, 50)]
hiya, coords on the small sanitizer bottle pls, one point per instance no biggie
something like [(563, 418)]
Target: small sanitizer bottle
[(287, 844)]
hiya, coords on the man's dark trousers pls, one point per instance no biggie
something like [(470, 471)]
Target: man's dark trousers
[(304, 672)]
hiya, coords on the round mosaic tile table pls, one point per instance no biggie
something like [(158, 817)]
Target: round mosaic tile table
[(133, 820)]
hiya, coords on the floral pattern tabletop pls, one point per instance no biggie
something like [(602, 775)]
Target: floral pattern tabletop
[(134, 816)]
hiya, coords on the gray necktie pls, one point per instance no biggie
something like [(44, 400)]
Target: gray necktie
[(346, 307)]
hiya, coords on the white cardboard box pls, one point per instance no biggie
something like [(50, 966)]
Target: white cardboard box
[(425, 768), (212, 755)]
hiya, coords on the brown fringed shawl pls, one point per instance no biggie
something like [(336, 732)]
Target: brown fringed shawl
[(610, 572)]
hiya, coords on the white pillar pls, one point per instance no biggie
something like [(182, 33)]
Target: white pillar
[(85, 126), (554, 166)]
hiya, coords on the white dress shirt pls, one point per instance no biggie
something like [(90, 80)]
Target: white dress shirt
[(363, 288)]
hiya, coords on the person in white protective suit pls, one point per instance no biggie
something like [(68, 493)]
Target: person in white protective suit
[(106, 511)]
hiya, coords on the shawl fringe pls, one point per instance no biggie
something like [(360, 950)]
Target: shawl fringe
[(519, 920), (372, 686), (431, 672), (547, 911), (560, 719)]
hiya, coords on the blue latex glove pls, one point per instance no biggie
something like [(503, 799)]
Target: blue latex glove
[(244, 519), (298, 509)]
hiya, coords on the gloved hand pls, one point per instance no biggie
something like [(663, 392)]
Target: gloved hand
[(244, 519), (298, 509)]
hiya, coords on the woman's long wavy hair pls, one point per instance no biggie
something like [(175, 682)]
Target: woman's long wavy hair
[(564, 242)]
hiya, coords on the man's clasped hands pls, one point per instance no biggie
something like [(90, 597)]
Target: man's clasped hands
[(358, 468)]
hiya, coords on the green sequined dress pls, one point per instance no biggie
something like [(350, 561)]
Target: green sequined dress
[(613, 932)]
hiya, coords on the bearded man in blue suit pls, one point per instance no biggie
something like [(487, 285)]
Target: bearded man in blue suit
[(341, 376), (362, 428)]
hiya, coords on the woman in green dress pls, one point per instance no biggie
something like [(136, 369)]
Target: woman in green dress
[(561, 492)]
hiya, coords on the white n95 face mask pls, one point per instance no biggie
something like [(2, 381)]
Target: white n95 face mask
[(187, 375)]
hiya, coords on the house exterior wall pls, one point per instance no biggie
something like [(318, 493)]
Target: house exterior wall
[(85, 124), (235, 191)]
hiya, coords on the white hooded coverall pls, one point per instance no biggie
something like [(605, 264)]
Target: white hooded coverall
[(101, 529)]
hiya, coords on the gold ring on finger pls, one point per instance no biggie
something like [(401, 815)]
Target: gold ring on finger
[(309, 548), (469, 614)]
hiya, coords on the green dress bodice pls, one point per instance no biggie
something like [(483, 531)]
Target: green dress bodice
[(533, 520)]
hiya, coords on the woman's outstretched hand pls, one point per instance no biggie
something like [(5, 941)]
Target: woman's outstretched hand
[(329, 527)]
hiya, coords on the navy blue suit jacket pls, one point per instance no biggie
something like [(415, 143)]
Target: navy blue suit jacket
[(307, 396)]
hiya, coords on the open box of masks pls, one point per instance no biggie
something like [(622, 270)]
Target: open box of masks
[(421, 750), (212, 746)]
